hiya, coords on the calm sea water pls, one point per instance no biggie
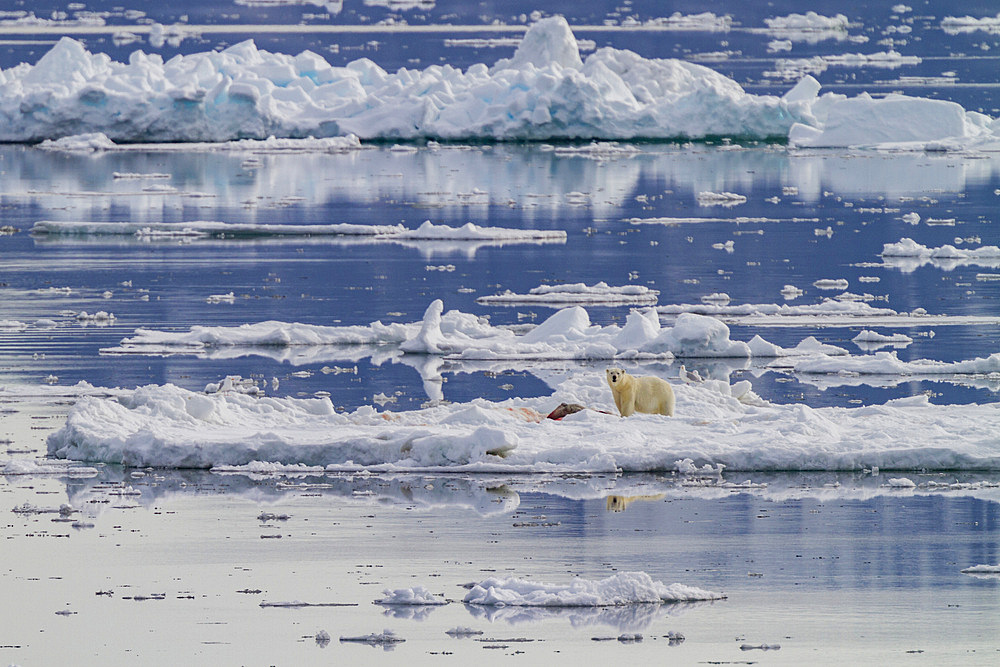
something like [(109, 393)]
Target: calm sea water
[(813, 216)]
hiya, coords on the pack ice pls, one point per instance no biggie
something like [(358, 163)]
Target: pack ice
[(168, 426), (545, 91)]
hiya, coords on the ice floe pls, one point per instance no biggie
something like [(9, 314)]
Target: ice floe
[(167, 426), (809, 27), (957, 25), (559, 295), (418, 595), (887, 363), (427, 231), (544, 91), (907, 255), (982, 569), (625, 588), (828, 313), (100, 142), (567, 334)]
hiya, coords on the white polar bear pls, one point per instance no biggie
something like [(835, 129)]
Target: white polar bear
[(640, 394)]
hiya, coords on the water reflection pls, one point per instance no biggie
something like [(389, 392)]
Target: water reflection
[(455, 182)]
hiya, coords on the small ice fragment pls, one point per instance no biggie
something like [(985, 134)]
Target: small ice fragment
[(387, 637), (982, 569), (462, 631), (791, 292)]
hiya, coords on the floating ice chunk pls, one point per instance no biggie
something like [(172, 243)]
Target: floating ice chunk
[(209, 228), (982, 569), (902, 483), (868, 336), (808, 27), (831, 313), (907, 247), (221, 298), (385, 638), (418, 595), (100, 317), (625, 588), (12, 325), (79, 143), (887, 363), (956, 25), (561, 294), (831, 283), (791, 292), (472, 232), (703, 21), (32, 467), (151, 426), (911, 218), (463, 631), (727, 199)]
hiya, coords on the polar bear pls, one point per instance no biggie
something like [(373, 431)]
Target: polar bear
[(640, 394)]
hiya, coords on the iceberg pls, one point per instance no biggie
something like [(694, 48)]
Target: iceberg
[(545, 91)]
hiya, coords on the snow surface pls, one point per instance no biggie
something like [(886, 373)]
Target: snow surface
[(544, 91), (625, 588), (167, 426)]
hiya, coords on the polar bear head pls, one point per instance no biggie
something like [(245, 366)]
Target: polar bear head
[(615, 375)]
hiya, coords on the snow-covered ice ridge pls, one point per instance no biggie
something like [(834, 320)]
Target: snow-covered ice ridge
[(170, 427), (427, 231), (545, 91), (567, 334)]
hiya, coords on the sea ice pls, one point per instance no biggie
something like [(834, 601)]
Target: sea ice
[(166, 426), (418, 595), (546, 90), (982, 569), (562, 294), (625, 588)]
